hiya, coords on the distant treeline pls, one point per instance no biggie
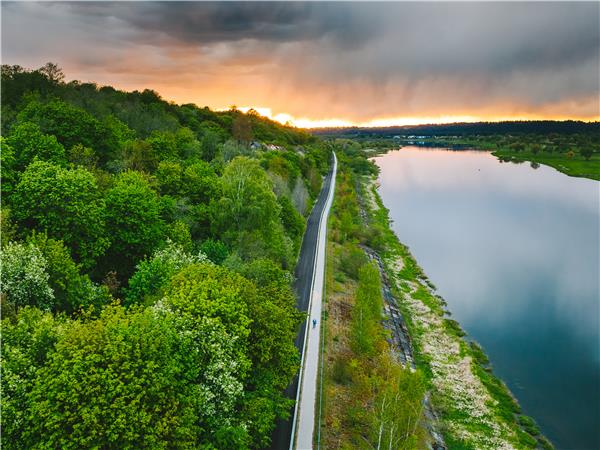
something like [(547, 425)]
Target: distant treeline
[(464, 129)]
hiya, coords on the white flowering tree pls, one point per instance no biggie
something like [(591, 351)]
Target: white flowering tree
[(25, 277), (151, 274)]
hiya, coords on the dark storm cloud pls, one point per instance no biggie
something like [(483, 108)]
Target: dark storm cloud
[(442, 36), (354, 60), (210, 22)]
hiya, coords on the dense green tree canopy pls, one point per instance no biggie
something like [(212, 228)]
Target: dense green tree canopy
[(263, 322), (66, 204), (133, 220), (28, 142), (135, 380), (112, 196), (153, 273), (247, 215), (26, 345), (72, 290), (200, 182), (70, 125)]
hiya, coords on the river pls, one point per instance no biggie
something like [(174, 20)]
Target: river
[(514, 250)]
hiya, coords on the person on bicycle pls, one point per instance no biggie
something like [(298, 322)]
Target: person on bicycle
[(314, 323)]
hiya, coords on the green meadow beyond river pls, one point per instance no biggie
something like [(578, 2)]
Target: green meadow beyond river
[(513, 249)]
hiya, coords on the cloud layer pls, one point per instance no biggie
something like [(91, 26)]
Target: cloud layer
[(350, 61)]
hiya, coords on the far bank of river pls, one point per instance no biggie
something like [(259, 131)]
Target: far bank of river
[(514, 251)]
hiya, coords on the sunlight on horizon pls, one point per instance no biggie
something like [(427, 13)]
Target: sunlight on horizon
[(304, 122)]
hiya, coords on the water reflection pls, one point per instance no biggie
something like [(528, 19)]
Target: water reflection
[(515, 253)]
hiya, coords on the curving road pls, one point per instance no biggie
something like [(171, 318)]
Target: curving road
[(297, 432)]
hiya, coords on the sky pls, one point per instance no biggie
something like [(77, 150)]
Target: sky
[(320, 64)]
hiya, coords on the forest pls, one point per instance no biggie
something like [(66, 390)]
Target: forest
[(147, 262)]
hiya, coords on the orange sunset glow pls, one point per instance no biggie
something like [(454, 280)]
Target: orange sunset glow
[(328, 65)]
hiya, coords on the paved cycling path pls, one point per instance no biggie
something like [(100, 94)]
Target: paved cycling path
[(310, 274)]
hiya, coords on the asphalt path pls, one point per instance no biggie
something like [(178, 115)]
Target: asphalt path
[(305, 279)]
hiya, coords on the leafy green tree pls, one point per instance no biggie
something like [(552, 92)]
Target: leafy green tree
[(169, 176), (25, 279), (200, 182), (137, 379), (164, 144), (206, 290), (26, 345), (293, 222), (188, 147), (247, 214), (71, 289), (133, 221), (215, 250), (264, 272), (66, 204), (587, 152), (263, 322), (69, 124), (179, 233), (210, 145), (28, 142), (152, 274), (118, 129)]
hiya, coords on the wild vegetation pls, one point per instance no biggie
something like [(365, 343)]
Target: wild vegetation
[(474, 409), (147, 250), (369, 399)]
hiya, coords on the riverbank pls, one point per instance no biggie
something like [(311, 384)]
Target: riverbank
[(476, 409)]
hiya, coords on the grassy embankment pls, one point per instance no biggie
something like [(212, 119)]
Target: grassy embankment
[(476, 409), (369, 399)]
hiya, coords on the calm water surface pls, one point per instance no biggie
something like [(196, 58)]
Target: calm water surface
[(514, 251)]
